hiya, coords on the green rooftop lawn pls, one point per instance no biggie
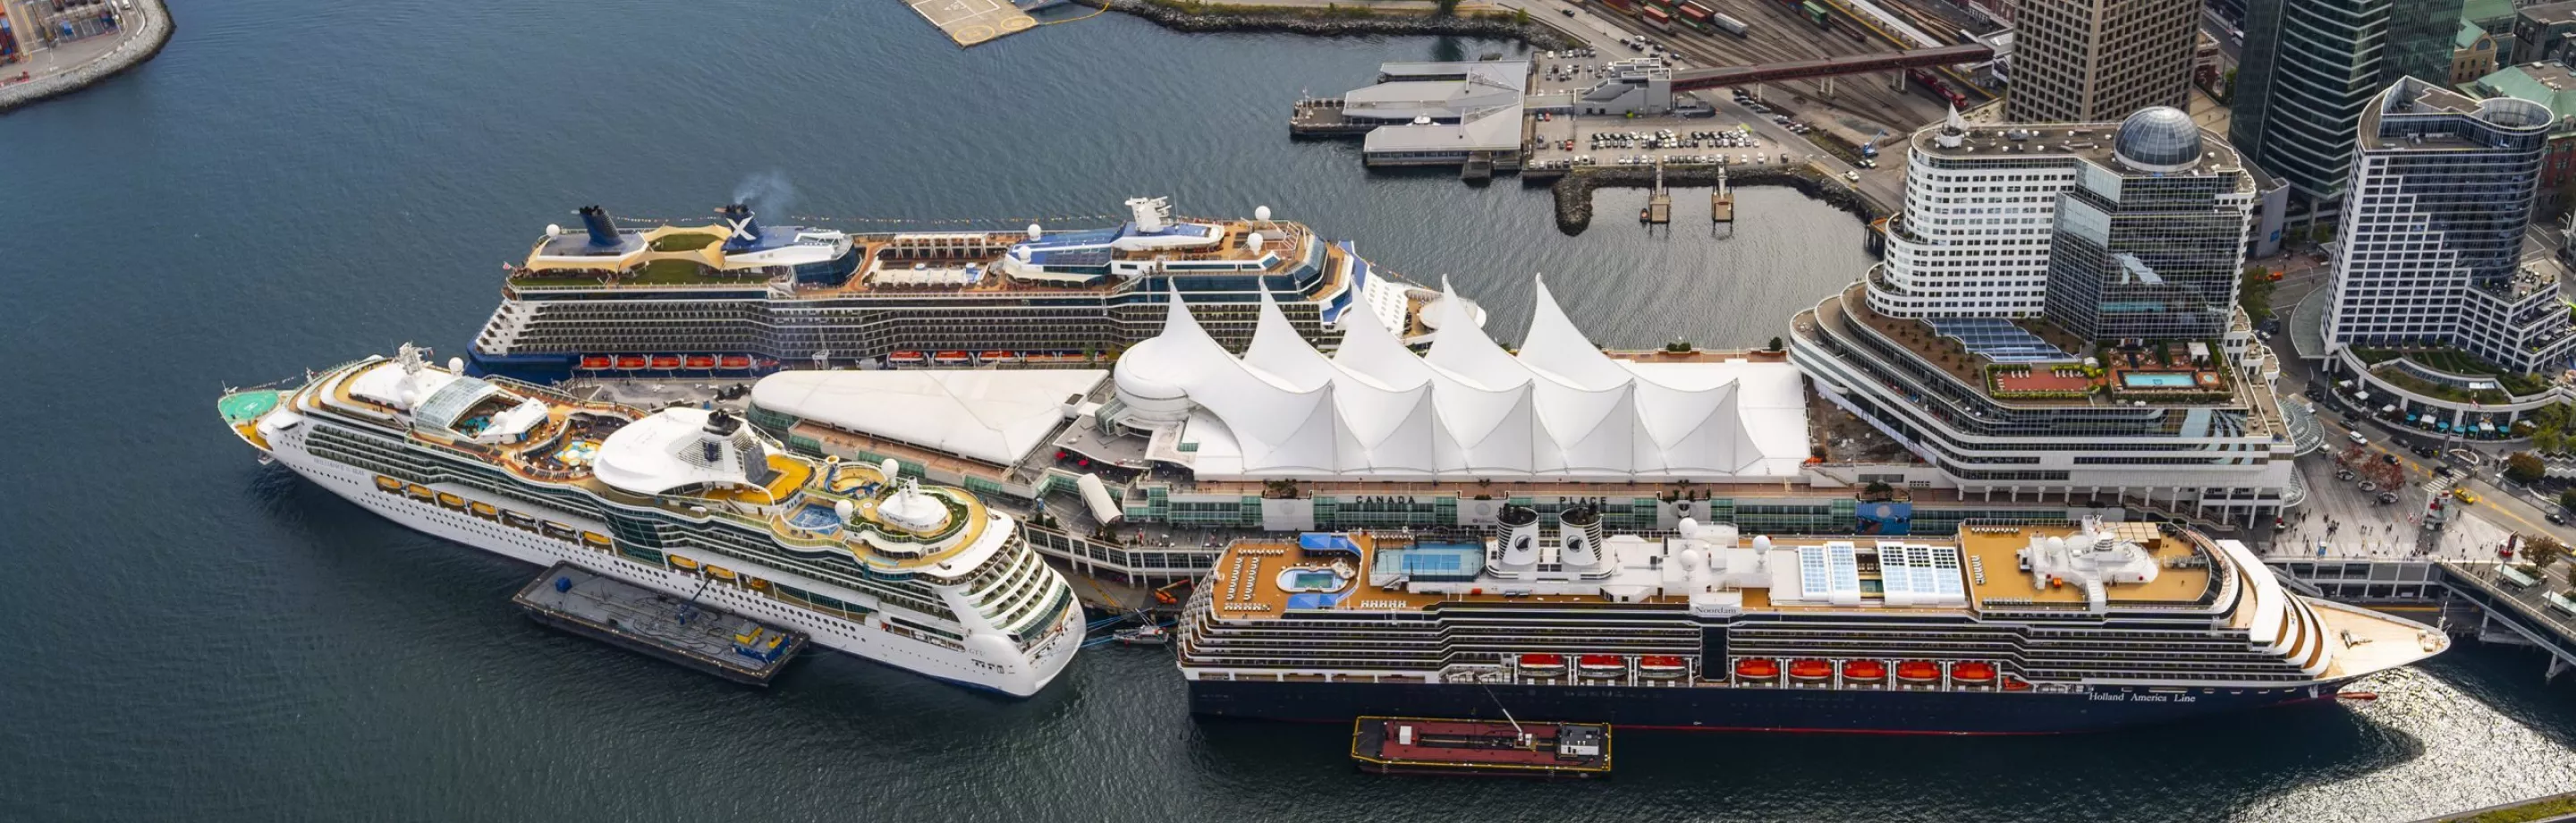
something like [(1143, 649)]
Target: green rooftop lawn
[(685, 242)]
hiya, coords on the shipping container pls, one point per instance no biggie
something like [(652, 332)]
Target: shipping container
[(1730, 24), (1814, 12), (1657, 17)]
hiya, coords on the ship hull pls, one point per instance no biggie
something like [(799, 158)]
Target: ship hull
[(858, 639), (1735, 709)]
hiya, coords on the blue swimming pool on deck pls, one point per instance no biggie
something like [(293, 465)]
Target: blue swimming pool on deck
[(2157, 380), (813, 517)]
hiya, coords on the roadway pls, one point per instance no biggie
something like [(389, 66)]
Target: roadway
[(2477, 465)]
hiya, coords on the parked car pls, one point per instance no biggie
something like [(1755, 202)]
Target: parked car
[(2558, 517), (2427, 452)]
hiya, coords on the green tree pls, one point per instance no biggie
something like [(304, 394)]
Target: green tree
[(1447, 8), (2541, 550), (1877, 490), (2567, 499), (2226, 91), (1520, 17), (1776, 345), (2524, 467)]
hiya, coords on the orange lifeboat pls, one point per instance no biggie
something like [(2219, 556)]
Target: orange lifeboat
[(949, 357), (994, 356), (630, 362), (1543, 665), (596, 361), (2015, 684), (1601, 665), (1757, 669), (735, 361), (1866, 671), (1920, 671), (666, 362), (1972, 672), (905, 357), (700, 361), (1810, 670), (1662, 667)]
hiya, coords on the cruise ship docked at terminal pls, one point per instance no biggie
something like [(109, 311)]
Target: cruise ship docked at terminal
[(690, 502), (1998, 630), (738, 298)]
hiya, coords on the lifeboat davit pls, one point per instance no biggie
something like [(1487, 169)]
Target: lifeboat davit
[(1662, 667), (700, 361), (1543, 664), (735, 361), (666, 362), (1866, 671), (1810, 670), (1972, 672), (1601, 665), (1920, 671), (596, 361), (630, 362), (1757, 669), (2015, 684)]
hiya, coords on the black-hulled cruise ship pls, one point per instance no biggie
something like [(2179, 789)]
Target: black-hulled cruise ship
[(2000, 629), (737, 298)]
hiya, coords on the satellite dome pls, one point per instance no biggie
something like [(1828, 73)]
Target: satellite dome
[(2158, 139)]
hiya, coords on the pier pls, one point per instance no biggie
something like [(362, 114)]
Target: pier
[(1721, 201), (969, 22), (2489, 600), (622, 614), (1659, 205)]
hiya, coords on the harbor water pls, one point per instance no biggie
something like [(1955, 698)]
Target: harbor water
[(294, 183)]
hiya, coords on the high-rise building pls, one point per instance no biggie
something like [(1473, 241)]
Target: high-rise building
[(2044, 220), (2432, 237), (2308, 70), (2056, 318), (2085, 61)]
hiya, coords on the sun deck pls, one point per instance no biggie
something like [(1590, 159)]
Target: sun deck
[(1995, 579)]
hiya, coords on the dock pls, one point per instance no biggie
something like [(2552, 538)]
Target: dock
[(1414, 745), (1659, 205), (1721, 202), (969, 22), (694, 635)]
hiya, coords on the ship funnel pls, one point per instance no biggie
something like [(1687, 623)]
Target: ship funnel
[(603, 232), (746, 229), (1578, 540), (1520, 541)]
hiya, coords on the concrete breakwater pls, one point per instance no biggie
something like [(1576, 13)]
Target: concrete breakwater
[(139, 45), (1574, 191), (1329, 21)]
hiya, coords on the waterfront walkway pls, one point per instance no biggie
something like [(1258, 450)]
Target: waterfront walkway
[(71, 67)]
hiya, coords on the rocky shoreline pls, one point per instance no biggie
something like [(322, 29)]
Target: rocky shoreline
[(1322, 23), (1574, 191), (139, 46)]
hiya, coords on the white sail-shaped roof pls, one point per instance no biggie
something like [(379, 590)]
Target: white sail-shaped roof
[(1469, 408)]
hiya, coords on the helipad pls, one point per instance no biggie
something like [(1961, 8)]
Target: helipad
[(974, 21)]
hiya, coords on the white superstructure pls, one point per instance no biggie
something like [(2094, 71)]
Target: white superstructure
[(1558, 408), (687, 501)]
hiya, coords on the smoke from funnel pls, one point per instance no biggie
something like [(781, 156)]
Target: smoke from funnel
[(766, 191)]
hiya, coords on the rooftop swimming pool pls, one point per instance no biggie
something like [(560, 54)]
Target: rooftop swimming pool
[(2158, 380)]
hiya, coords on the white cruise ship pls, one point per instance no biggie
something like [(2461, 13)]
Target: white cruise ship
[(687, 501)]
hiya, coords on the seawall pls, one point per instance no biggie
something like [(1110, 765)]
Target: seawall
[(1320, 21), (139, 46), (1574, 191)]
